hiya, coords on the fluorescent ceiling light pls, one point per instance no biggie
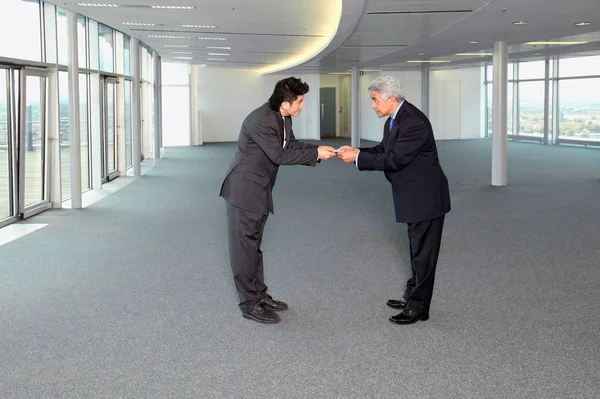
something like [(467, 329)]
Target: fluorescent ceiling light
[(521, 23), (371, 70), (338, 73), (217, 54), (137, 24), (168, 37), (175, 45), (200, 26), (184, 58), (583, 23), (212, 38), (218, 48), (181, 52), (473, 42), (557, 43), (176, 7), (216, 59), (420, 53), (431, 61), (96, 5), (467, 54)]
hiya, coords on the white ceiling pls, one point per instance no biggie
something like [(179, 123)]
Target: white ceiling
[(372, 34)]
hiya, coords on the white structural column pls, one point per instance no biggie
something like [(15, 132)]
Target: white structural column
[(499, 107), (195, 115), (157, 106), (74, 135), (354, 111), (425, 87), (136, 111)]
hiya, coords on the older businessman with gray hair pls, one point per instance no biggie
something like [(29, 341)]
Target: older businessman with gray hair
[(408, 157)]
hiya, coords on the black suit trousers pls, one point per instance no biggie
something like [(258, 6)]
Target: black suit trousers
[(245, 230), (425, 240)]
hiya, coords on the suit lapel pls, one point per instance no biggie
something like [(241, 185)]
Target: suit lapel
[(393, 134)]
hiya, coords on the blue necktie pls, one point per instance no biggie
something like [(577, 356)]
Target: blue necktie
[(391, 123)]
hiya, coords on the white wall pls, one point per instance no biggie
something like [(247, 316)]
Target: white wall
[(455, 103), (227, 96), (345, 97)]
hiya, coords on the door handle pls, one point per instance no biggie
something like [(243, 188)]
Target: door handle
[(322, 110)]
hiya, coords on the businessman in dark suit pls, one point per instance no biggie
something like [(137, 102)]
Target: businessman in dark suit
[(266, 141), (408, 157)]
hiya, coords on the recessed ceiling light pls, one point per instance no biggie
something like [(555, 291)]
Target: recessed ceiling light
[(184, 58), (420, 53), (167, 37), (181, 52), (473, 42), (137, 24), (521, 23), (175, 45), (217, 54), (96, 5), (200, 26), (481, 54), (176, 7), (218, 48), (583, 23), (431, 61), (557, 43), (212, 38), (216, 59)]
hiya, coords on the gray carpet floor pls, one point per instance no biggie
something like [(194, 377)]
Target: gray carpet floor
[(132, 297)]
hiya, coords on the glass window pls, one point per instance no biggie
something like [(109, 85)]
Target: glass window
[(82, 41), (106, 48), (62, 36), (489, 72), (531, 108), (532, 70), (64, 139), (50, 32), (127, 55), (579, 109), (128, 127), (5, 161), (119, 63), (20, 19), (84, 131), (580, 66)]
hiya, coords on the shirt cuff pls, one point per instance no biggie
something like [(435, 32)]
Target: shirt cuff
[(356, 159)]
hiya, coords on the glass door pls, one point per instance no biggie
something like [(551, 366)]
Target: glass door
[(33, 172), (7, 139), (109, 129)]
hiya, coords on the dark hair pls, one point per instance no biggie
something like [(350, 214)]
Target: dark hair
[(287, 89)]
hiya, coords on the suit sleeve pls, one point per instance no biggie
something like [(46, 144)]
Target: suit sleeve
[(294, 144), (411, 139), (372, 150), (265, 136)]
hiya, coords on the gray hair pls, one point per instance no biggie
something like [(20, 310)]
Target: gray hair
[(387, 86)]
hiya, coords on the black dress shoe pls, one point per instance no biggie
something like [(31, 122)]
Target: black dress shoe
[(397, 303), (262, 314), (408, 317), (272, 304)]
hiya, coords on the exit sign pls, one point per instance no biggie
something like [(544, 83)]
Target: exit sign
[(362, 73)]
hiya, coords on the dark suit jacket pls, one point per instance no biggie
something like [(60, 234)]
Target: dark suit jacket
[(408, 157), (251, 176)]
